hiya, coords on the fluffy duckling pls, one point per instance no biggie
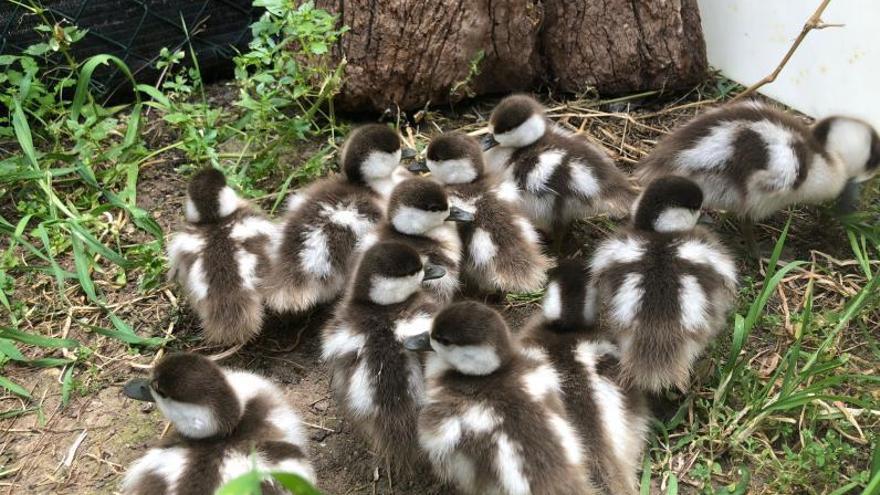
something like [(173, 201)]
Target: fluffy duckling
[(377, 383), (753, 160), (226, 421), (325, 223), (418, 215), (221, 258), (493, 421), (501, 250), (611, 419), (665, 285), (561, 177)]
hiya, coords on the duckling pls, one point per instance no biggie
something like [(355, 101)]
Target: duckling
[(418, 212), (221, 258), (610, 418), (501, 250), (493, 421), (226, 421), (325, 223), (665, 285), (754, 160), (561, 178), (376, 382)]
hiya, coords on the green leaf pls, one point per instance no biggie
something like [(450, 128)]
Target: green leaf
[(246, 484), (14, 387), (23, 133), (155, 94), (85, 78), (96, 246), (83, 265), (127, 337), (38, 49), (295, 483), (8, 349), (66, 385), (672, 485), (38, 340)]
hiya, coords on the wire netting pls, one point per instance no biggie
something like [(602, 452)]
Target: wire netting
[(135, 31)]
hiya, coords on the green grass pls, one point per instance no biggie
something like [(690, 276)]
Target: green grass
[(68, 190), (783, 430)]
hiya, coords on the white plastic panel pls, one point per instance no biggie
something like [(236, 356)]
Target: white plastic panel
[(835, 70)]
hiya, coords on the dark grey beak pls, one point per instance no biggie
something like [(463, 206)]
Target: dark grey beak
[(418, 166), (407, 153), (420, 342), (848, 201), (456, 214), (488, 142), (433, 271), (138, 389)]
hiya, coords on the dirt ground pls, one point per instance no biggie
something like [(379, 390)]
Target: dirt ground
[(85, 447)]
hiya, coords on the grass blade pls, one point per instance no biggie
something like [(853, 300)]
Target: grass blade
[(66, 385), (14, 387), (83, 265), (23, 133), (85, 79), (38, 340)]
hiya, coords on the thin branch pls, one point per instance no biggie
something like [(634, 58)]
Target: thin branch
[(814, 22)]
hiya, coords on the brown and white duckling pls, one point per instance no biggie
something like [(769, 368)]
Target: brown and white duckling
[(326, 222), (221, 258), (561, 177), (610, 418), (665, 285), (493, 421), (226, 422), (418, 215), (377, 383), (753, 160), (501, 250)]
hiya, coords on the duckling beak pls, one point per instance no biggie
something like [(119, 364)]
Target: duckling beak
[(433, 271), (848, 201), (407, 153), (418, 343), (456, 214), (138, 389), (488, 142), (418, 166)]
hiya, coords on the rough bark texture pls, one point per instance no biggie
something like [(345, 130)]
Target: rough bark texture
[(411, 52), (623, 45)]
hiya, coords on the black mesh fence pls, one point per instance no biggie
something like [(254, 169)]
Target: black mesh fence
[(135, 31)]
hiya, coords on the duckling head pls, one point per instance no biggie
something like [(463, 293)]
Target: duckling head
[(390, 273), (453, 158), (569, 301), (371, 153), (471, 337), (419, 205), (192, 392), (208, 198), (669, 204), (854, 141), (516, 122)]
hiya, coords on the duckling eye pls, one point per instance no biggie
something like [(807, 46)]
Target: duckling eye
[(442, 340)]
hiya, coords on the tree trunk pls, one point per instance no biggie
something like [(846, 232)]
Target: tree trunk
[(619, 46), (408, 53)]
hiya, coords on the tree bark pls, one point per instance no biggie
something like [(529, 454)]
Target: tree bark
[(619, 46), (408, 53)]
